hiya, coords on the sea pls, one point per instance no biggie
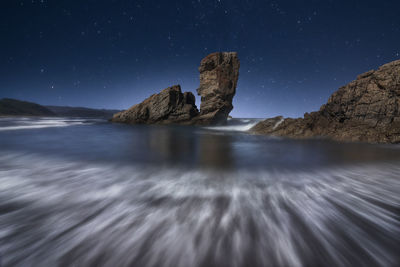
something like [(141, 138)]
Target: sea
[(87, 192)]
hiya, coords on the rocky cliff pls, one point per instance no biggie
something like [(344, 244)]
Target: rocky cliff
[(219, 73), (366, 110)]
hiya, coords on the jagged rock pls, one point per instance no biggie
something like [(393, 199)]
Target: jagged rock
[(366, 110), (219, 73), (169, 106), (218, 78)]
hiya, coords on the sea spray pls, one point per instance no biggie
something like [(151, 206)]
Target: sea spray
[(65, 212)]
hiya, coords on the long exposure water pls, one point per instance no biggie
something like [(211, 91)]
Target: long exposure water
[(77, 192)]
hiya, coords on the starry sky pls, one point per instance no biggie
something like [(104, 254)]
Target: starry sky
[(115, 53)]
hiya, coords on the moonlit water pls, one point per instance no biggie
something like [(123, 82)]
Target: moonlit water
[(77, 192)]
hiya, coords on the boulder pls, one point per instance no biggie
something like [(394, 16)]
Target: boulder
[(169, 106), (365, 110)]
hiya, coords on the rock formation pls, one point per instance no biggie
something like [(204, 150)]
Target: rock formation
[(366, 110), (169, 106), (219, 73)]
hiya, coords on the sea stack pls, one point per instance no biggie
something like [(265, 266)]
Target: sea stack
[(219, 74), (365, 110)]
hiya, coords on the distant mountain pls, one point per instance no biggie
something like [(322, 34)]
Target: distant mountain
[(12, 107), (82, 112)]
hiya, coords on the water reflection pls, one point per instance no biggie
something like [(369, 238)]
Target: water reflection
[(188, 147), (170, 144), (216, 151), (177, 145)]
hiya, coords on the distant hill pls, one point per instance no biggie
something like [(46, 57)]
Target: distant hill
[(82, 112), (12, 107)]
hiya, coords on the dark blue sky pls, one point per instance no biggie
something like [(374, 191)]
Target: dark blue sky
[(113, 54)]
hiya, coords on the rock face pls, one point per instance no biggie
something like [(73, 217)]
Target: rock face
[(366, 110), (169, 106), (219, 73)]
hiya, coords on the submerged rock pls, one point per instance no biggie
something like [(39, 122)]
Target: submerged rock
[(366, 110), (219, 73), (169, 106)]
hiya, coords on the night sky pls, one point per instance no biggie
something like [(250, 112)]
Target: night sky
[(113, 54)]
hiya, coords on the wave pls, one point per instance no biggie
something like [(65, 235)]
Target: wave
[(55, 211), (278, 123), (238, 125), (28, 123)]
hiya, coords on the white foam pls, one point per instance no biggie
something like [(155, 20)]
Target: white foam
[(241, 125), (278, 123), (25, 124), (75, 211)]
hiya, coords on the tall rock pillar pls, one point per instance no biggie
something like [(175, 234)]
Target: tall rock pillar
[(219, 73)]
